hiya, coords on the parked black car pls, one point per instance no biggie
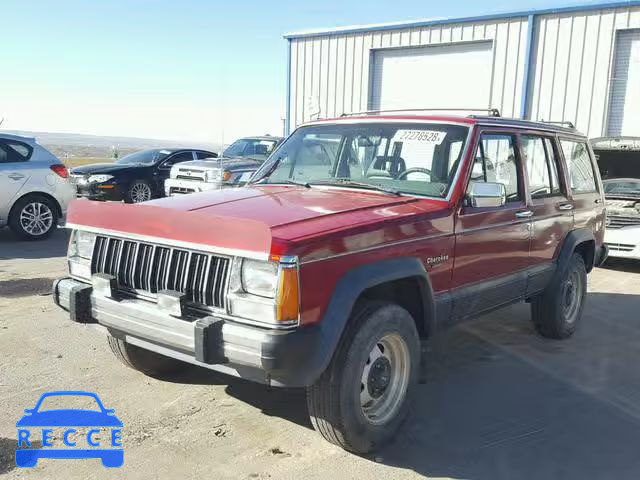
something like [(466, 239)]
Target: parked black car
[(134, 178)]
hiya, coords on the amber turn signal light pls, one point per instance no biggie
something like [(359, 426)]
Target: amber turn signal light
[(288, 308)]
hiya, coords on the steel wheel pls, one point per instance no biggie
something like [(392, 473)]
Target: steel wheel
[(571, 296), (385, 378), (140, 192), (36, 218)]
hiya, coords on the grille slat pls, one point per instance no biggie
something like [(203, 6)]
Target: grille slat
[(146, 269), (619, 221)]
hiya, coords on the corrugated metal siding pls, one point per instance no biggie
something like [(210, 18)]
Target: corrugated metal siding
[(570, 77), (332, 72), (573, 66)]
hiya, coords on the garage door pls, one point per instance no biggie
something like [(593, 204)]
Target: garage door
[(624, 100), (448, 76)]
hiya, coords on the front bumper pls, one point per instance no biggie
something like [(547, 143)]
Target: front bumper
[(274, 357), (93, 192), (178, 186), (623, 242)]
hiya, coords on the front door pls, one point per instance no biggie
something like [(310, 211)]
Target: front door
[(492, 244), (164, 169), (14, 173), (551, 205)]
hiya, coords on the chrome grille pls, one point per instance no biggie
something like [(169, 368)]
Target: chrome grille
[(619, 221), (149, 268)]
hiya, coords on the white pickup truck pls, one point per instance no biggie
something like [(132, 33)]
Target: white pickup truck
[(232, 169)]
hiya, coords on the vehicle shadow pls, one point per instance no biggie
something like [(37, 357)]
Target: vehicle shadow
[(11, 248), (503, 403), (622, 264), (500, 402), (8, 447)]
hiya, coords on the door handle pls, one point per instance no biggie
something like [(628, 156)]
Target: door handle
[(16, 176), (565, 206), (524, 214)]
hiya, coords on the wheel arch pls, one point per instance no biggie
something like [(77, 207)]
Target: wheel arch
[(360, 284), (46, 195), (581, 241)]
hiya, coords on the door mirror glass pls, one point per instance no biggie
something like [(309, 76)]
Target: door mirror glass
[(487, 194)]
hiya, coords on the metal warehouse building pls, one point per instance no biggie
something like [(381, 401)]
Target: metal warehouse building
[(578, 64)]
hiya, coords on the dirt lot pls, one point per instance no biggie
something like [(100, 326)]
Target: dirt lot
[(500, 402)]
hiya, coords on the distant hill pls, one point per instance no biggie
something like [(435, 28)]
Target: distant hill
[(66, 145)]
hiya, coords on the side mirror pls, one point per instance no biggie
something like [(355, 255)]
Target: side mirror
[(28, 410), (487, 194)]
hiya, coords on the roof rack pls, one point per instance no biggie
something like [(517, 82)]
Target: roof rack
[(493, 112), (560, 122)]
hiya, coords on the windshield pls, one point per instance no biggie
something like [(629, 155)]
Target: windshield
[(247, 147), (418, 159), (146, 157), (622, 187)]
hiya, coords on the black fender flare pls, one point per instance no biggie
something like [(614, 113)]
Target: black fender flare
[(314, 346), (571, 241)]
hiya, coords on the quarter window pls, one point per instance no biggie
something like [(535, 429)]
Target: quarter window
[(11, 152), (496, 162), (579, 166), (542, 169)]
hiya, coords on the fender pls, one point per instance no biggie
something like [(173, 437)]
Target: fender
[(310, 353), (572, 240)]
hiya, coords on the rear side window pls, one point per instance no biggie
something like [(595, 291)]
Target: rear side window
[(579, 166), (203, 155), (496, 162), (11, 152), (542, 169)]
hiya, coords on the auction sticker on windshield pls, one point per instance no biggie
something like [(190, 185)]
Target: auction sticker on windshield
[(423, 136)]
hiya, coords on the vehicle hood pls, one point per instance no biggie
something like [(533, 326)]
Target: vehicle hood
[(255, 217), (69, 418), (106, 168), (226, 163)]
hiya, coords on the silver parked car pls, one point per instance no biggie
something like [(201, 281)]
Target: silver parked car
[(34, 187)]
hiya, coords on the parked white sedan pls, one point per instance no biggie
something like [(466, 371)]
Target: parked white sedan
[(34, 187)]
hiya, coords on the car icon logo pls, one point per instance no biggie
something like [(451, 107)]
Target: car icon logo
[(39, 419)]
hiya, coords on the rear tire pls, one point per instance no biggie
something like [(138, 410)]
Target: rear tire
[(150, 363), (361, 399), (557, 311), (33, 217)]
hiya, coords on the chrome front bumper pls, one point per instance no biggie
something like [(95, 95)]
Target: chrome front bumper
[(178, 186), (276, 357)]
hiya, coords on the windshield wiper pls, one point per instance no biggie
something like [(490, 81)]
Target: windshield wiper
[(298, 182), (352, 183)]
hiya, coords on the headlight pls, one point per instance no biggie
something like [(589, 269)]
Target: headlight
[(212, 176), (79, 254), (99, 178), (82, 244), (265, 292), (259, 278)]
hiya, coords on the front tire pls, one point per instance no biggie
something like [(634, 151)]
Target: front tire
[(150, 363), (362, 398), (139, 191), (557, 311), (33, 217)]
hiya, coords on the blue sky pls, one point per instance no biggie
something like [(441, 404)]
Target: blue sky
[(186, 70)]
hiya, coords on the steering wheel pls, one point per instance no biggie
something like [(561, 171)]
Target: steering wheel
[(406, 172)]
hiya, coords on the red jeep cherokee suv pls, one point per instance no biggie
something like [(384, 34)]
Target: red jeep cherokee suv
[(356, 240)]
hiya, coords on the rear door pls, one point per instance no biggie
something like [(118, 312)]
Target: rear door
[(550, 203), (584, 185), (14, 173), (492, 244)]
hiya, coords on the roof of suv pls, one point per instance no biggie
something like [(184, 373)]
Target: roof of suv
[(469, 120)]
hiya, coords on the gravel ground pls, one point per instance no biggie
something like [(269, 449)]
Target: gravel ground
[(499, 403)]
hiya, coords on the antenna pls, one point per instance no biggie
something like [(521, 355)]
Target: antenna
[(1, 121)]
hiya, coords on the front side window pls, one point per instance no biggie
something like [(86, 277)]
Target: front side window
[(496, 162), (542, 169), (418, 159), (579, 166)]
